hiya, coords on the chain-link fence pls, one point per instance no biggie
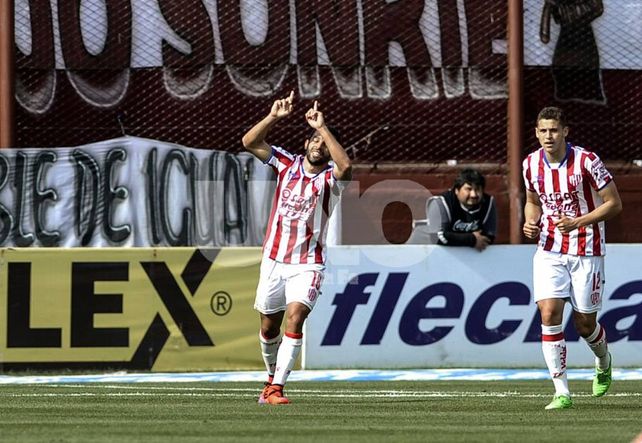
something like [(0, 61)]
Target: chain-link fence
[(404, 81), (585, 56)]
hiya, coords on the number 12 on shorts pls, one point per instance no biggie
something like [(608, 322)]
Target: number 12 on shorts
[(595, 289), (597, 281)]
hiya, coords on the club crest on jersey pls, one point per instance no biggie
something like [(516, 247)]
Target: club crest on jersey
[(575, 180)]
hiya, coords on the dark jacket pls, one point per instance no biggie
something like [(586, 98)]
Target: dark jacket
[(457, 223)]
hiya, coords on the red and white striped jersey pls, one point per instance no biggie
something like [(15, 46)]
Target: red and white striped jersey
[(301, 208), (569, 188)]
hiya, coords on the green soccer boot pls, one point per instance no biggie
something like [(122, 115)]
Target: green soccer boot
[(602, 379), (560, 402)]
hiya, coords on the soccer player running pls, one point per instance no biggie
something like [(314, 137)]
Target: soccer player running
[(569, 195), (292, 267)]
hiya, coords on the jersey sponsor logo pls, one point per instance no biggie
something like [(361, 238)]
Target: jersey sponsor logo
[(296, 207), (567, 203), (412, 330)]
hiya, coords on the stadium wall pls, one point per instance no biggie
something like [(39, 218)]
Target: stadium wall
[(378, 208), (186, 309)]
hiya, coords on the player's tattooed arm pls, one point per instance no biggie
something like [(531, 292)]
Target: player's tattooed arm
[(254, 139)]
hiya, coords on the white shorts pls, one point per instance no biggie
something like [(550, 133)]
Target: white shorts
[(578, 278), (281, 284)]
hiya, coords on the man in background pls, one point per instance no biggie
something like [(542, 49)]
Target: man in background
[(462, 216)]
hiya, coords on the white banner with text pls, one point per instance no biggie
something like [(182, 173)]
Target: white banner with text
[(435, 306), (132, 192)]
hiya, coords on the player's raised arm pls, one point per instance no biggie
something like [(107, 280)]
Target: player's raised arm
[(342, 164), (254, 139)]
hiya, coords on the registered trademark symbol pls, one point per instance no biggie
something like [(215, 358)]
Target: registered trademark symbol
[(221, 303)]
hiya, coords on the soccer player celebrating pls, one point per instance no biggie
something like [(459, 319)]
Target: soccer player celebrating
[(569, 195), (292, 267)]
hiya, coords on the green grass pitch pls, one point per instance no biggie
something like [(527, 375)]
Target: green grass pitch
[(440, 411)]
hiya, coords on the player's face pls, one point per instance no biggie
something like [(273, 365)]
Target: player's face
[(316, 151), (469, 195), (552, 136)]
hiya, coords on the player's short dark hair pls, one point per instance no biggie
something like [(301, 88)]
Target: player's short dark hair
[(552, 113), (335, 131), (471, 176)]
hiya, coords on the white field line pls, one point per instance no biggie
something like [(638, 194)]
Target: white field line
[(138, 391), (223, 395)]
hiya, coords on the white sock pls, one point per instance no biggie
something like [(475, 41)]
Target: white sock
[(288, 353), (269, 349), (554, 350), (597, 342)]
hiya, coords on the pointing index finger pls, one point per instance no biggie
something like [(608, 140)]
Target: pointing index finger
[(315, 105), (291, 97)]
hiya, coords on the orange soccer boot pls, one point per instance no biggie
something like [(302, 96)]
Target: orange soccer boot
[(266, 387), (274, 396)]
